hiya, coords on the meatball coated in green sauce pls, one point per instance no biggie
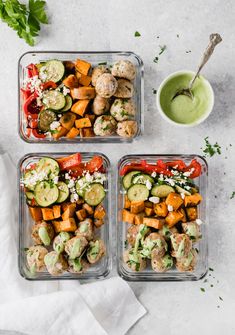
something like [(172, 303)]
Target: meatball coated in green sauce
[(188, 262), (85, 229), (192, 229), (60, 240), (95, 251), (161, 264), (78, 265), (134, 260), (75, 246), (154, 241), (181, 245), (42, 233), (55, 263), (35, 258)]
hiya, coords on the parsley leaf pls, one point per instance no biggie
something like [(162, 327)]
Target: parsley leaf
[(232, 195), (211, 149), (202, 289), (162, 49), (24, 19), (137, 34)]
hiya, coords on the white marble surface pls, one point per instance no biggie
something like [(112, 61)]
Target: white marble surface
[(173, 308)]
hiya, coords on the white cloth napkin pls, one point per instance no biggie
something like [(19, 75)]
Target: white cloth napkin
[(55, 308)]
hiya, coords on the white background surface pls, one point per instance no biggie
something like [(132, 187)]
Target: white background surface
[(173, 308)]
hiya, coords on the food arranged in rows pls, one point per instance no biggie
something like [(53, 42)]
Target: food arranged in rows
[(76, 99), (64, 197), (161, 209)]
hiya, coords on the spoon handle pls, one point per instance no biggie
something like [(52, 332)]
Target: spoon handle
[(214, 40)]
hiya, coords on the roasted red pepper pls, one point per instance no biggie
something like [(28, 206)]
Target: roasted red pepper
[(30, 105), (32, 70), (94, 164), (145, 167), (178, 164), (195, 167), (26, 94), (37, 134), (49, 84), (67, 163)]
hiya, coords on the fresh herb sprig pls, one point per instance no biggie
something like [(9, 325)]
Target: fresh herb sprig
[(162, 49), (232, 195), (211, 149), (137, 34), (24, 19)]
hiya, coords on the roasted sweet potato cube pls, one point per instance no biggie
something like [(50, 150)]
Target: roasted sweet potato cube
[(91, 117), (139, 218), (174, 200), (148, 204), (74, 132), (84, 80), (69, 66), (85, 92), (137, 207), (99, 212), (65, 205), (82, 66), (87, 132), (47, 214), (98, 222), (173, 217), (81, 214), (184, 218), (67, 225), (71, 81), (191, 213), (69, 212), (35, 213), (127, 216), (56, 211), (83, 123), (192, 200), (149, 211), (156, 223), (161, 209), (88, 208), (80, 107), (127, 203), (68, 120), (60, 132)]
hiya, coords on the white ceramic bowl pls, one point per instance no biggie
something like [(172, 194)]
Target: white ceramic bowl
[(163, 114)]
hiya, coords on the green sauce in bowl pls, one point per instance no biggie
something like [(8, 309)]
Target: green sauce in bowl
[(183, 110)]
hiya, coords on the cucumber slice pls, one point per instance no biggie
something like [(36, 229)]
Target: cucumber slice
[(48, 166), (63, 191), (68, 104), (52, 70), (46, 193), (138, 192), (94, 195), (142, 178), (162, 191), (45, 118), (82, 186), (126, 181), (27, 180), (54, 99), (29, 195), (182, 190)]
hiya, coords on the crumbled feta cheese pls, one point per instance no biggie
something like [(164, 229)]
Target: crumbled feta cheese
[(154, 174), (67, 176), (99, 177), (199, 221), (59, 115), (34, 177), (88, 177), (74, 197), (123, 192), (182, 195), (71, 183), (175, 167), (148, 184), (187, 188), (161, 177), (66, 90), (154, 200), (54, 125), (170, 208), (187, 173), (170, 181), (56, 179), (39, 102), (175, 173)]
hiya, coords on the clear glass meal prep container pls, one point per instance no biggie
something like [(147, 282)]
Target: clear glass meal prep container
[(172, 275), (96, 271), (94, 58)]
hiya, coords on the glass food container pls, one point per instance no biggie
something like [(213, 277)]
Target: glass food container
[(173, 274), (95, 58), (96, 271)]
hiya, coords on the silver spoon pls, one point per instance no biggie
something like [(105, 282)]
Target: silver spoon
[(214, 40)]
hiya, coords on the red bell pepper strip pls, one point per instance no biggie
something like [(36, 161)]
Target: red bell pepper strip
[(145, 167), (30, 105), (32, 70), (179, 164), (37, 134), (26, 93), (195, 167), (94, 164), (66, 163), (49, 84)]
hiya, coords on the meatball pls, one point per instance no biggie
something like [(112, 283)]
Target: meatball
[(100, 105), (127, 128), (161, 264), (125, 89), (97, 72), (95, 251), (60, 240), (156, 242), (35, 258), (78, 265), (134, 260), (85, 229), (124, 69), (192, 229), (106, 85), (188, 262), (166, 232), (181, 245), (122, 109), (132, 232), (42, 233), (75, 246), (105, 125), (56, 264)]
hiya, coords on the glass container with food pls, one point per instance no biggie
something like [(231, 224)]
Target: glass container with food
[(162, 218)]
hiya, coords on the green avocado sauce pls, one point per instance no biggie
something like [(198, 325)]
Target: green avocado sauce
[(182, 109)]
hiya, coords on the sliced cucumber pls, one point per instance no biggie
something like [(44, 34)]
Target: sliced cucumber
[(63, 192), (54, 99), (46, 193), (94, 195), (52, 70), (138, 192), (142, 178), (82, 186), (45, 118), (126, 181), (161, 191), (29, 195), (27, 180), (68, 104), (48, 166), (182, 190)]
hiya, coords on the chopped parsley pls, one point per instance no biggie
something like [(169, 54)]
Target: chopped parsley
[(154, 91), (220, 298), (177, 35), (211, 269), (103, 63), (137, 34), (162, 49), (211, 149), (232, 195), (202, 289), (188, 51)]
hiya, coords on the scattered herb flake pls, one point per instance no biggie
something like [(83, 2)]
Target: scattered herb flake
[(205, 281), (126, 244), (177, 35), (211, 149), (218, 306), (102, 63), (211, 269), (188, 51), (202, 289), (154, 91), (156, 59), (137, 34), (163, 48), (220, 298), (212, 285)]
